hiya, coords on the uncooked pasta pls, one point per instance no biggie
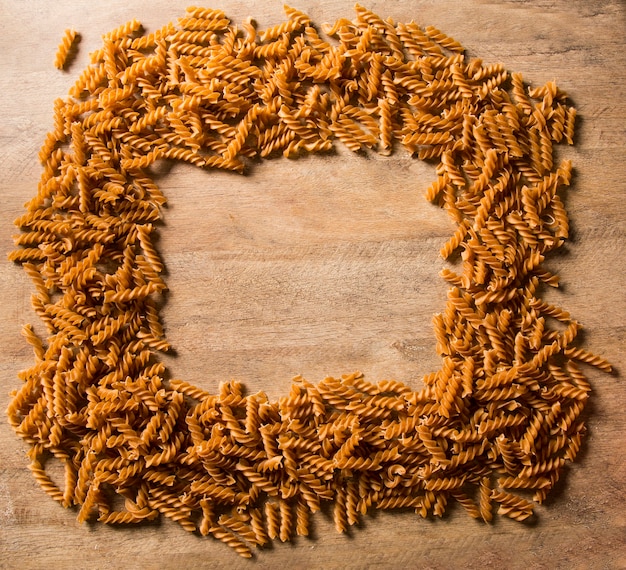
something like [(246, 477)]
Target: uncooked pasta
[(70, 37), (490, 430)]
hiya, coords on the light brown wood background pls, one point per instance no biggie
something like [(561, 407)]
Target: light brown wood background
[(326, 265)]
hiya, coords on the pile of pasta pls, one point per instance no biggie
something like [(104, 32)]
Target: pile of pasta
[(491, 430)]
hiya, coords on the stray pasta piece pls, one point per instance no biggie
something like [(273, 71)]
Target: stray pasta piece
[(64, 51), (502, 414)]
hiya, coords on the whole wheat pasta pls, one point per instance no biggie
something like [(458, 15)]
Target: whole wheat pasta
[(64, 51), (502, 414)]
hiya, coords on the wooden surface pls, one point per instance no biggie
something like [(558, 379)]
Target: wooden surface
[(326, 265)]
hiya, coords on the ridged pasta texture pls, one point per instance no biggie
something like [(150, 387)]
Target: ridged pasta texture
[(492, 429), (61, 59)]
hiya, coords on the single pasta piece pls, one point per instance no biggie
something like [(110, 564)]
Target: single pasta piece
[(68, 43)]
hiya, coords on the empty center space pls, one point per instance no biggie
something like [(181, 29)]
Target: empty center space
[(317, 266)]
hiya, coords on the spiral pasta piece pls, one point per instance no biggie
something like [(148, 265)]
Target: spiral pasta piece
[(68, 42)]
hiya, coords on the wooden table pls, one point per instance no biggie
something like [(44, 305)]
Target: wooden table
[(327, 265)]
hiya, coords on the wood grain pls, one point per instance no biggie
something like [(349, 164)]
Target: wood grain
[(326, 265)]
